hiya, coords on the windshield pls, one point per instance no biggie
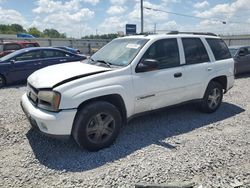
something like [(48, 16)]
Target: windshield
[(233, 51), (119, 52)]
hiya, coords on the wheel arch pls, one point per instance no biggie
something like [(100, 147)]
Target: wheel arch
[(222, 80), (114, 99)]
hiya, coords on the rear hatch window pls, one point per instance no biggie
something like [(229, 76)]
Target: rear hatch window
[(12, 47), (30, 45)]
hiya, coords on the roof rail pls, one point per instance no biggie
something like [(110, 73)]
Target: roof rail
[(194, 33)]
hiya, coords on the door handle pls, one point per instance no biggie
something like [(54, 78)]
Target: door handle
[(209, 69), (178, 74), (38, 63), (63, 60)]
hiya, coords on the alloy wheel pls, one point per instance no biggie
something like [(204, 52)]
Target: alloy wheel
[(100, 128), (214, 98)]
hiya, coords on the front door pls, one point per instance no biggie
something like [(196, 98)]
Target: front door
[(164, 86), (24, 65)]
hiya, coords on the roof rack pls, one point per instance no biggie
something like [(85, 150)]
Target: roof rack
[(194, 33)]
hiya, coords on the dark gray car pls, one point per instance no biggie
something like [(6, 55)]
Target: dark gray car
[(241, 55)]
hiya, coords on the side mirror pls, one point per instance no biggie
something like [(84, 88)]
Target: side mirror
[(12, 61), (241, 53), (147, 65)]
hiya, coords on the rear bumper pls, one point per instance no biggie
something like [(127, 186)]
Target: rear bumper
[(53, 124)]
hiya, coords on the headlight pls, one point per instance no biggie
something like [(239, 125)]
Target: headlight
[(49, 100)]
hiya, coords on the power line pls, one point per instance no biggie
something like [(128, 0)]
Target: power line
[(196, 17)]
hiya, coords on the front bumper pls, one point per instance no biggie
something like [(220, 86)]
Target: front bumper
[(56, 124)]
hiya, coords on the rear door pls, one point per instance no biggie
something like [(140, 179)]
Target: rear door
[(196, 68), (25, 64)]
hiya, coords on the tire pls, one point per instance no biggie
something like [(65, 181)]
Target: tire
[(97, 125), (2, 81), (212, 98)]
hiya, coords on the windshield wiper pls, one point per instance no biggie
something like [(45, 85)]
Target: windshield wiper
[(101, 61), (104, 62)]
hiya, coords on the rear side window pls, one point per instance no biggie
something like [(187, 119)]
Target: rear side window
[(165, 51), (195, 51), (12, 47), (219, 49), (53, 53)]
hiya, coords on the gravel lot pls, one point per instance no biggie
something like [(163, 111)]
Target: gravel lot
[(174, 145)]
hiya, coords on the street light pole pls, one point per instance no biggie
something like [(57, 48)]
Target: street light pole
[(141, 16)]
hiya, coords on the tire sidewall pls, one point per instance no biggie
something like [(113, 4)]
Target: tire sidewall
[(211, 86), (82, 119)]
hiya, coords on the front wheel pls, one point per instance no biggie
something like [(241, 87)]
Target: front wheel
[(97, 125), (212, 98)]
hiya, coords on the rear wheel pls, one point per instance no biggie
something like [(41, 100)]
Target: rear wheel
[(2, 81), (212, 98), (97, 125)]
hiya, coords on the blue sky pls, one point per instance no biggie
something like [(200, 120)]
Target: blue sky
[(83, 17)]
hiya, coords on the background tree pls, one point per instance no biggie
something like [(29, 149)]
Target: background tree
[(11, 29), (35, 32), (104, 36), (53, 33)]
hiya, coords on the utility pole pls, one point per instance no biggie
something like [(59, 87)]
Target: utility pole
[(141, 16), (155, 28)]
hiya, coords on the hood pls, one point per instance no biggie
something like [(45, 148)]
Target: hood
[(55, 75)]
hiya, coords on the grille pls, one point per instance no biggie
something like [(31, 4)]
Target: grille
[(32, 93)]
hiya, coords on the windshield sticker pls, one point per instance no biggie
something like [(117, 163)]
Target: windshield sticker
[(134, 46)]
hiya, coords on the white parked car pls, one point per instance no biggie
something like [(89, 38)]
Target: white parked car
[(90, 100)]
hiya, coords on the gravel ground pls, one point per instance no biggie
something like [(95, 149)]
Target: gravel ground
[(174, 145)]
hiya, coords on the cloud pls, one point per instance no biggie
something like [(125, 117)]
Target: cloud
[(10, 16), (167, 2), (118, 2), (73, 24), (112, 25), (50, 6), (150, 16), (116, 10), (93, 2), (200, 5), (225, 10), (66, 18)]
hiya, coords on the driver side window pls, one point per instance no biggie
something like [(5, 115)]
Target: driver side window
[(165, 51)]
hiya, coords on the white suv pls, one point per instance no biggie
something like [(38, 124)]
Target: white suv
[(90, 100)]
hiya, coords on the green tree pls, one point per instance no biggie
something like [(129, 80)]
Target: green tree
[(17, 28), (11, 29), (53, 33), (35, 32), (105, 36)]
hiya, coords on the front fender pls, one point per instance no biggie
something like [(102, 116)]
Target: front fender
[(74, 101)]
